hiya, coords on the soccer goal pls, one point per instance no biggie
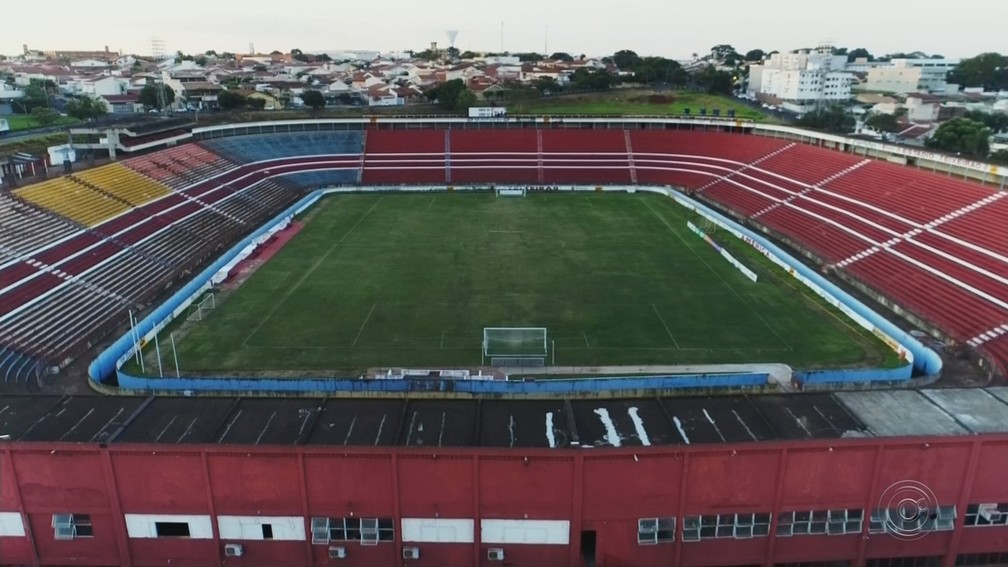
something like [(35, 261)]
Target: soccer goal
[(199, 310), (511, 191), (515, 346)]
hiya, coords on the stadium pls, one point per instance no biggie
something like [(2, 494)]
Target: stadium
[(524, 341)]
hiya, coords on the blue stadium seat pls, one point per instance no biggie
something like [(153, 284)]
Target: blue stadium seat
[(259, 147), (329, 178)]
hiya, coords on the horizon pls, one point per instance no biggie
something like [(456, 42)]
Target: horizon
[(589, 27)]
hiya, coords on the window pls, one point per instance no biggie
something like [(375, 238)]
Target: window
[(989, 514), (982, 559), (817, 522), (70, 526), (652, 531), (884, 520), (267, 531), (171, 529), (367, 531), (738, 526)]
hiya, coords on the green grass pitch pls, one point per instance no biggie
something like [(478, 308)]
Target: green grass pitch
[(412, 279)]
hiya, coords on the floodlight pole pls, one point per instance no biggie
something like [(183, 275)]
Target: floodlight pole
[(157, 348), (175, 354)]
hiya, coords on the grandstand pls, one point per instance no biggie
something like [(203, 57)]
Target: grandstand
[(802, 479), (913, 241)]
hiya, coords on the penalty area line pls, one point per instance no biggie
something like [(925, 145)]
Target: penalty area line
[(662, 319), (361, 330)]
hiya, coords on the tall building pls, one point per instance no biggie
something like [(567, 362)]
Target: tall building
[(904, 76), (802, 78)]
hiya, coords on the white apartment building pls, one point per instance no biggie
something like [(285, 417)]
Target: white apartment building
[(802, 78), (905, 76)]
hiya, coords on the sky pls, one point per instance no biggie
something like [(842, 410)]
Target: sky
[(668, 28)]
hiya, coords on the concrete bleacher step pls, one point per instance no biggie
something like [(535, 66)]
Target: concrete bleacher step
[(630, 160), (751, 164)]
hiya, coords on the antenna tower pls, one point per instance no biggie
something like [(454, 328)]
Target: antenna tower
[(160, 53)]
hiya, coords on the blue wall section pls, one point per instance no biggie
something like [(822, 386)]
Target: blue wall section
[(479, 387), (259, 147)]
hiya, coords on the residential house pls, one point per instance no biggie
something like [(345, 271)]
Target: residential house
[(122, 103)]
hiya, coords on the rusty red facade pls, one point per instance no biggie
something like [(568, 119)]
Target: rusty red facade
[(604, 491)]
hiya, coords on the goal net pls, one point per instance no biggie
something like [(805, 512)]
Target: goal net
[(199, 310), (511, 191), (514, 346)]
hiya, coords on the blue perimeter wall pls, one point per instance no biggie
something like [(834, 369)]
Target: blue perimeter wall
[(106, 364), (926, 360)]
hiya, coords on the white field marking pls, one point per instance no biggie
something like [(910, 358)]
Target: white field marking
[(265, 427), (638, 424), (228, 428), (585, 335), (304, 422), (361, 330), (290, 290), (682, 432), (744, 425), (381, 426), (611, 435), (550, 436), (656, 312), (716, 428), (431, 204), (511, 424), (346, 440)]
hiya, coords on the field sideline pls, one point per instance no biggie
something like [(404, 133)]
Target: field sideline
[(412, 279)]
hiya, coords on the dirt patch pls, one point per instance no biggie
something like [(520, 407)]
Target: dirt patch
[(260, 256)]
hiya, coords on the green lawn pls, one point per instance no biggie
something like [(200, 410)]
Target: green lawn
[(25, 122), (411, 280), (637, 103)]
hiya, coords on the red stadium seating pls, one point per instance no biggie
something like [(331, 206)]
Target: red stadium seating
[(404, 156), (500, 156)]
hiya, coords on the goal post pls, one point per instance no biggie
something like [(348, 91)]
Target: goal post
[(504, 191), (515, 346), (199, 310)]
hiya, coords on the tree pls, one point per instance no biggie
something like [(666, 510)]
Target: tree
[(726, 54), (210, 53), (452, 53), (150, 99), (999, 157), (962, 136), (561, 56), (44, 116), (854, 54), (883, 122), (85, 108), (626, 60), (452, 95), (996, 121), (754, 55), (34, 97), (547, 85), (597, 80), (313, 99), (298, 55), (468, 55), (987, 70), (659, 70), (715, 81), (200, 60), (229, 100), (830, 119), (530, 56)]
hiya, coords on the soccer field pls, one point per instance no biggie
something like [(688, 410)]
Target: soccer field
[(412, 279)]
